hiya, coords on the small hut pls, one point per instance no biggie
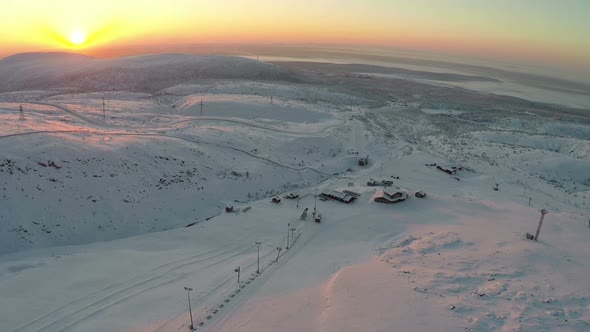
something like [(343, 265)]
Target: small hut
[(390, 197), (364, 161), (451, 170), (337, 196)]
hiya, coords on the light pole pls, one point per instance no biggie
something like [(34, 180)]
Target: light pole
[(292, 237), (315, 204), (258, 267), (278, 253), (237, 270), (190, 310), (288, 228), (543, 213)]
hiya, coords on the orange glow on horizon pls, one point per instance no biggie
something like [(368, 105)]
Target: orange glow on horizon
[(503, 29)]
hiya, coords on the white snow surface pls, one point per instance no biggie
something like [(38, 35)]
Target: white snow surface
[(93, 209)]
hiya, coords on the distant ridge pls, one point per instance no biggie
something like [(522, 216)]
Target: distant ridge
[(43, 56), (143, 73)]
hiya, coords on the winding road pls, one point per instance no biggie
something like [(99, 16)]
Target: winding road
[(103, 129), (103, 125)]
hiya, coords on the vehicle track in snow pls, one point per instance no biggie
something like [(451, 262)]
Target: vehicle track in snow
[(217, 321), (211, 297), (219, 305), (74, 312), (73, 113), (184, 275), (103, 125)]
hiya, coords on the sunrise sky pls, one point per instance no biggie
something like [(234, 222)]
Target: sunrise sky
[(546, 31)]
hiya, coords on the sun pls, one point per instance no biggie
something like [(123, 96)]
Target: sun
[(77, 37)]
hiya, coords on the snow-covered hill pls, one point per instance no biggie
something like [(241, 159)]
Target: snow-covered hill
[(146, 73), (106, 214), (70, 176)]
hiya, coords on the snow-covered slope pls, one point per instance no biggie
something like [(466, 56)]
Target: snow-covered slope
[(105, 216), (61, 192), (70, 176)]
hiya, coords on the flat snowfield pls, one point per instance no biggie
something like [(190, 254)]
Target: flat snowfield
[(111, 203)]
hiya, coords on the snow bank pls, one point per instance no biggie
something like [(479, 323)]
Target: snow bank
[(495, 280)]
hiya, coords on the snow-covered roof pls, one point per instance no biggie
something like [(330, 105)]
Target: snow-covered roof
[(390, 196), (391, 191), (339, 195), (450, 167), (336, 194)]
